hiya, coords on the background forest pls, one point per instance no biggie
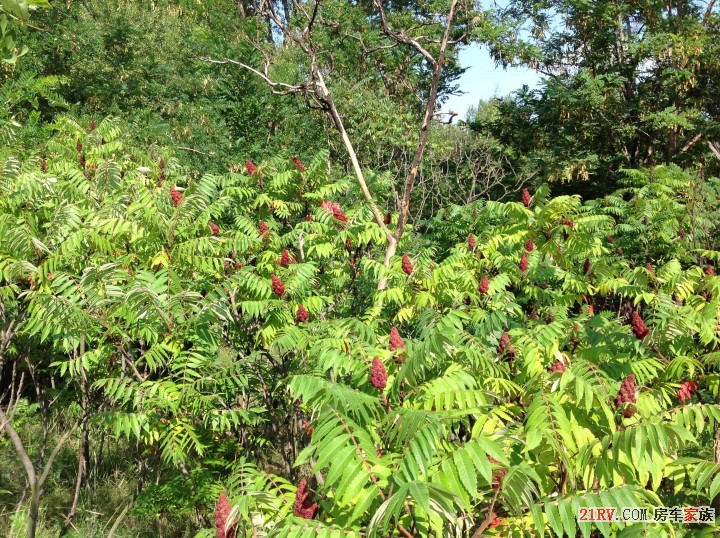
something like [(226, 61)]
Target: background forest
[(253, 282)]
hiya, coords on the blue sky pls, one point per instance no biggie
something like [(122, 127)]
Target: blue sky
[(483, 80)]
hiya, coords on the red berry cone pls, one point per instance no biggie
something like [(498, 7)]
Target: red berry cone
[(407, 265), (396, 342), (175, 195), (285, 258), (298, 163), (214, 228), (222, 513), (277, 285), (302, 314), (523, 265), (484, 285), (378, 374), (471, 243), (530, 246), (251, 168), (263, 228), (504, 341), (638, 326), (304, 507), (526, 197)]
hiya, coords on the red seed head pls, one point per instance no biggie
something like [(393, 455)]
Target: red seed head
[(650, 269), (298, 163), (78, 145), (304, 507), (251, 168), (627, 392), (570, 224), (710, 270), (396, 342), (586, 266), (471, 242), (504, 341), (681, 233), (388, 218), (591, 310), (638, 326), (407, 265), (43, 166), (557, 366), (222, 513), (609, 239), (263, 228), (302, 314), (484, 285), (523, 265), (238, 265), (526, 197), (285, 258), (339, 215), (530, 245), (175, 195), (277, 285), (378, 374), (161, 164), (214, 228)]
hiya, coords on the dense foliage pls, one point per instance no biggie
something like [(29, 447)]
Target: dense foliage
[(204, 333)]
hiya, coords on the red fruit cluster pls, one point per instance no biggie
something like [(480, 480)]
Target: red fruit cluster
[(504, 341), (498, 474), (407, 265), (638, 326), (263, 228), (251, 168), (285, 258), (78, 146), (378, 374), (557, 366), (334, 208), (709, 270), (238, 265), (43, 166), (277, 285), (484, 285), (388, 218), (302, 314), (586, 266), (530, 246), (570, 224), (523, 265), (627, 395), (650, 269), (175, 196), (681, 233), (609, 239), (214, 228), (309, 428), (222, 513), (161, 164), (298, 163), (92, 125), (526, 197), (304, 505), (687, 390), (396, 342), (591, 310), (471, 242)]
